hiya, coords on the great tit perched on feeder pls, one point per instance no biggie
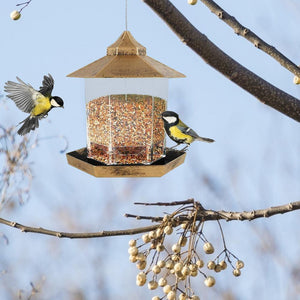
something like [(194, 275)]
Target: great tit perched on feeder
[(29, 100), (179, 132)]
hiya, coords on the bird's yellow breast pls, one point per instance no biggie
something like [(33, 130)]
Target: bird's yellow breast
[(42, 106), (177, 134)]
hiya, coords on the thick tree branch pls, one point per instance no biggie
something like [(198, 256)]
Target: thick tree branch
[(215, 57), (203, 215), (249, 35)]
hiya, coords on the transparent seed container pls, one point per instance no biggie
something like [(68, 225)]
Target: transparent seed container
[(124, 124)]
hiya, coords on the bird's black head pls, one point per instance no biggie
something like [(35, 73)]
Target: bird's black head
[(56, 102), (170, 117)]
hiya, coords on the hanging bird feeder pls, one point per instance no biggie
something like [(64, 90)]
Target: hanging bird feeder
[(126, 91)]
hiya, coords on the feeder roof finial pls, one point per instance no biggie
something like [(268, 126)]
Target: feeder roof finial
[(126, 45), (126, 58)]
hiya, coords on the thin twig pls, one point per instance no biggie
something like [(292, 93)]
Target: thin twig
[(174, 203), (249, 35), (24, 3)]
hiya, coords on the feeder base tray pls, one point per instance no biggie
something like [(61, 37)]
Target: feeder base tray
[(79, 160)]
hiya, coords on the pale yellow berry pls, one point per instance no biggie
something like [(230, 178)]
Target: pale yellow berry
[(141, 276), (223, 264), (133, 250), (236, 272), (141, 279), (167, 288), (171, 295), (208, 248), (182, 241), (159, 232), (156, 269), (160, 247), (152, 285), (179, 275), (200, 263), (209, 281), (194, 273), (239, 264), (175, 257), (168, 230), (141, 265), (296, 80), (211, 265), (184, 225), (192, 2), (152, 235), (194, 297), (155, 298), (166, 218), (182, 297), (133, 258), (218, 268), (15, 15), (161, 263), (178, 266), (146, 238), (186, 271), (153, 245), (176, 248), (193, 267), (141, 256), (169, 264), (140, 283), (132, 243), (162, 282)]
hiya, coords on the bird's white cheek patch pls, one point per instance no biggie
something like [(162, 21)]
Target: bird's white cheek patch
[(170, 119), (54, 103)]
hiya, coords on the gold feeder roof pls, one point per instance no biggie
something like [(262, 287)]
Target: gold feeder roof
[(126, 58)]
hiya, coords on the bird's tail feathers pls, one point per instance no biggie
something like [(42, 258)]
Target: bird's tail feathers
[(203, 139), (30, 123)]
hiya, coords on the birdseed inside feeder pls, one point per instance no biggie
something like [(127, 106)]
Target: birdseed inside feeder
[(126, 91)]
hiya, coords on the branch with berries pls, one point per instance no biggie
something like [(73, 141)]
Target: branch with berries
[(169, 265), (16, 14), (177, 219)]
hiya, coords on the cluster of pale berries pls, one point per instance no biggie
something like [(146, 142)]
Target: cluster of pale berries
[(177, 266)]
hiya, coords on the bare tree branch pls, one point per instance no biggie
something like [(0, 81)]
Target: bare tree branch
[(249, 35), (77, 235), (216, 58), (203, 215)]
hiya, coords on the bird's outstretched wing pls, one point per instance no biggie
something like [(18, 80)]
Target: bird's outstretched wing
[(22, 94), (47, 85)]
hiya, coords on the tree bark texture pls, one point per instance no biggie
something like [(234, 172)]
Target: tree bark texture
[(216, 58)]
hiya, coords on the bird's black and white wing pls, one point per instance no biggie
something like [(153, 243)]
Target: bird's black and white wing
[(187, 130), (22, 94), (47, 85)]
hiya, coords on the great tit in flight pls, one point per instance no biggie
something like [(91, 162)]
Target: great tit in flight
[(29, 100), (179, 132)]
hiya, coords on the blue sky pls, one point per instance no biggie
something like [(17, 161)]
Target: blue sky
[(253, 164)]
